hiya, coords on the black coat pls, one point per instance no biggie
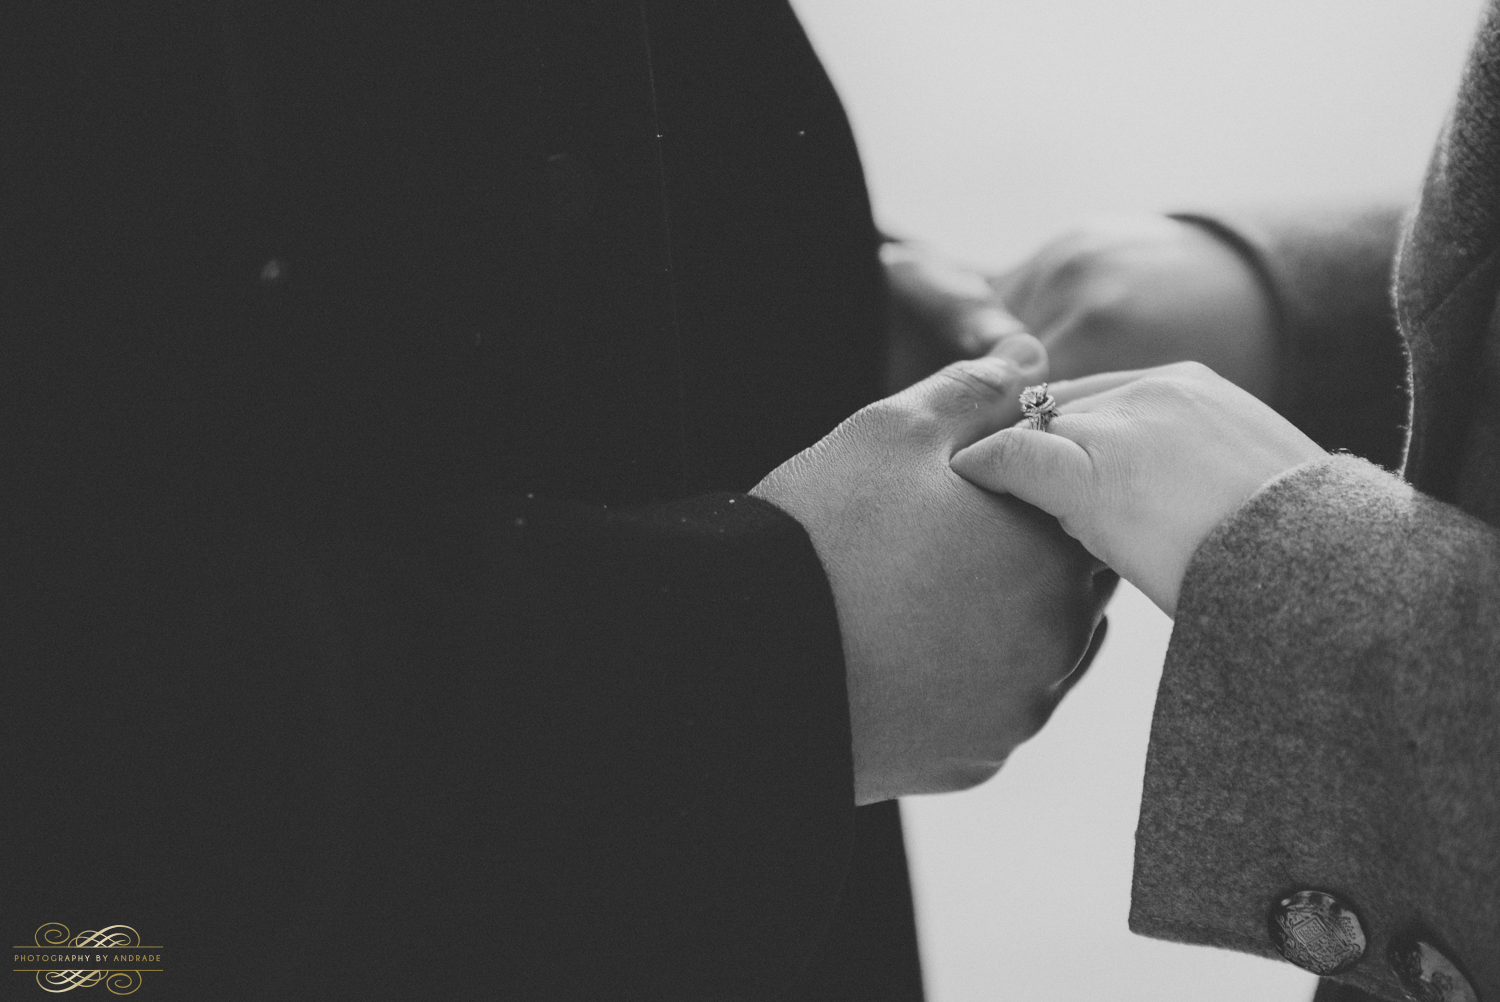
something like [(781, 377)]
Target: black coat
[(380, 618)]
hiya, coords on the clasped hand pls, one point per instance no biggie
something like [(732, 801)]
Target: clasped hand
[(1141, 466), (970, 560), (1144, 463), (965, 616)]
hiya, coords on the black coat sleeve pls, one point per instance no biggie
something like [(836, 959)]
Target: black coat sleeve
[(671, 768), (605, 749), (596, 755)]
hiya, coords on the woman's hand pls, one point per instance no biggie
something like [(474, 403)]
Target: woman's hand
[(1141, 466), (1135, 291)]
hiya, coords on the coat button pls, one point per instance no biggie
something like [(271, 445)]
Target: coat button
[(1317, 932), (1426, 975)]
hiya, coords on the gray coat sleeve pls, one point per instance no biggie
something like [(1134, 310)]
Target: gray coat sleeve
[(1341, 362), (1327, 720)]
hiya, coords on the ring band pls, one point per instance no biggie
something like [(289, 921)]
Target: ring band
[(1039, 407)]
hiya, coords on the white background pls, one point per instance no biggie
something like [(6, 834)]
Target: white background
[(985, 126)]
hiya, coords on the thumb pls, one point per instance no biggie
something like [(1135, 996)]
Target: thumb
[(1040, 468), (979, 395)]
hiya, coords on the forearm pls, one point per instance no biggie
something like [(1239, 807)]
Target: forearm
[(1340, 367)]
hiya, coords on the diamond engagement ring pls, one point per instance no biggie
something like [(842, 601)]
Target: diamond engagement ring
[(1039, 407)]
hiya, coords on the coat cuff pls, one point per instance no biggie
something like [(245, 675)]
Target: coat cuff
[(1326, 721)]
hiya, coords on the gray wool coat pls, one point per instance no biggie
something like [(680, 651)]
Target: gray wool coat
[(1329, 714)]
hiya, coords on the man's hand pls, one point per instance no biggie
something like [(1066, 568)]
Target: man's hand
[(964, 615), (940, 312), (1140, 291), (1141, 466)]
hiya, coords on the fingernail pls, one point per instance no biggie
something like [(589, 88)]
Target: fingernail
[(1025, 351), (999, 375)]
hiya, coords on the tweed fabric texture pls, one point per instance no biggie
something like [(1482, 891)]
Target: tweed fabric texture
[(1448, 271), (1326, 720), (1328, 716)]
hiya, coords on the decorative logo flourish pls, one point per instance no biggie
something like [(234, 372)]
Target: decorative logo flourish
[(62, 970)]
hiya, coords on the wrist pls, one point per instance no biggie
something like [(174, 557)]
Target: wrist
[(876, 775), (1248, 352)]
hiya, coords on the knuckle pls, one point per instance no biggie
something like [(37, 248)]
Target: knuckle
[(897, 418), (1167, 387), (1195, 371), (1176, 387), (1146, 394)]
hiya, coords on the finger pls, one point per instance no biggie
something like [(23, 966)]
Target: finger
[(977, 396), (1069, 390), (958, 303), (929, 279), (982, 328), (1096, 642), (1073, 390), (1041, 468)]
